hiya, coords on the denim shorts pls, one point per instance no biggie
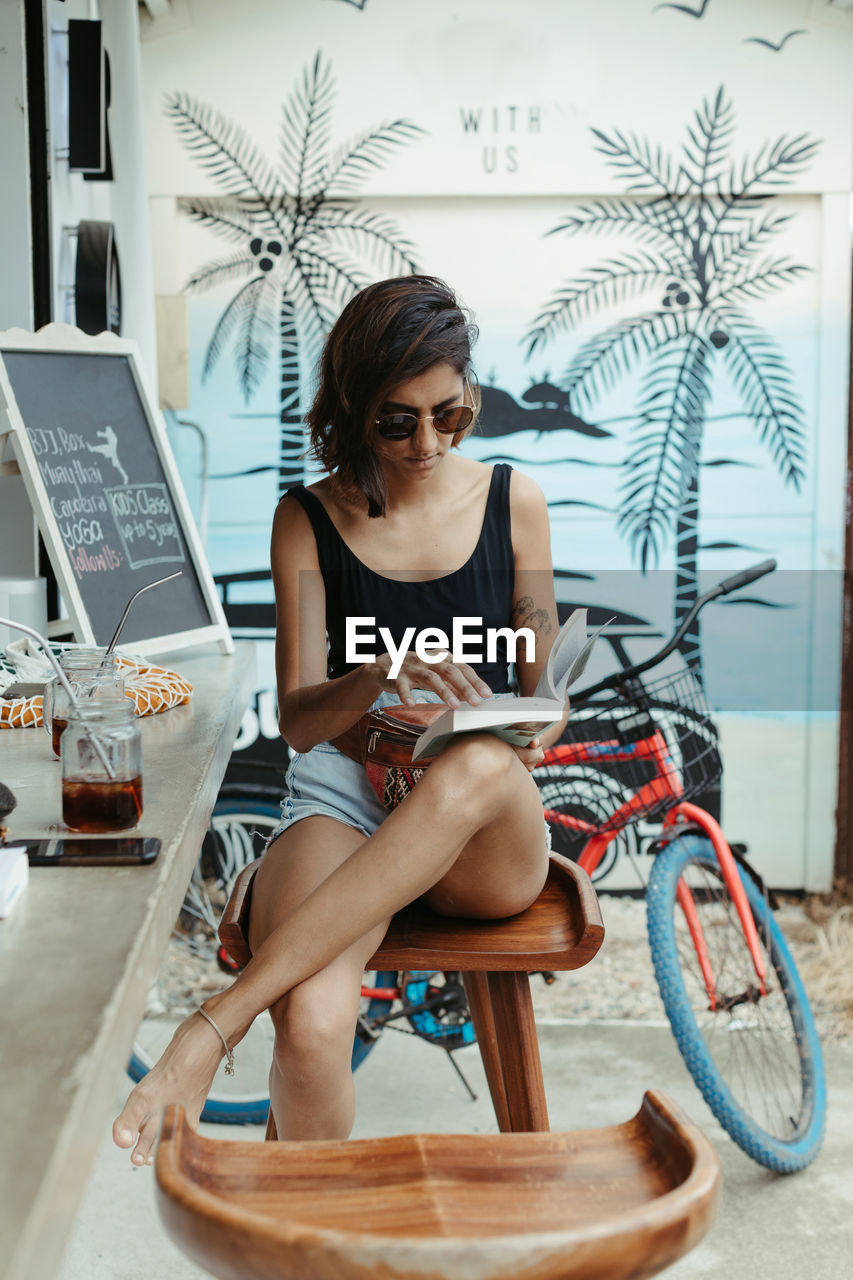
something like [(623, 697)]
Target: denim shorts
[(323, 782)]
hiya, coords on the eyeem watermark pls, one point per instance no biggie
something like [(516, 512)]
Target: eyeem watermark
[(468, 643)]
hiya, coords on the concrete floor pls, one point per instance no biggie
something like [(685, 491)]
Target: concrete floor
[(784, 1228)]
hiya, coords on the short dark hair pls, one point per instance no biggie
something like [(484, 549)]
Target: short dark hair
[(389, 332)]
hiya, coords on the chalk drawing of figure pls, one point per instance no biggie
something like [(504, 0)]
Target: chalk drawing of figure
[(110, 450)]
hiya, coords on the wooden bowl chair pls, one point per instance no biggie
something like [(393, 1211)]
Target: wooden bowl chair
[(618, 1203)]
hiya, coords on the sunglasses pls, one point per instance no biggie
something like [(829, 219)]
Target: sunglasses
[(400, 426)]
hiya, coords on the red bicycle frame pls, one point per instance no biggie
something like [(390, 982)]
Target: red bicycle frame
[(665, 784)]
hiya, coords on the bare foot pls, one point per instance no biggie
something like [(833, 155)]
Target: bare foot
[(182, 1075)]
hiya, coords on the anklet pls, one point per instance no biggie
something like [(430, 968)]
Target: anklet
[(229, 1056)]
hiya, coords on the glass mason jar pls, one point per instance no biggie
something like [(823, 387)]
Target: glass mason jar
[(90, 674), (101, 751)]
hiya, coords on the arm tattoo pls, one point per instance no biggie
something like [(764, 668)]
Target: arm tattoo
[(524, 614)]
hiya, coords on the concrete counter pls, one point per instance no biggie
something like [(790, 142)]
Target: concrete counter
[(81, 948)]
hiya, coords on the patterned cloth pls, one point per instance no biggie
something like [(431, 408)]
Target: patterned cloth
[(392, 783), (151, 687)]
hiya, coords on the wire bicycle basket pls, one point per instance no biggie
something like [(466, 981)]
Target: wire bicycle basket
[(654, 743)]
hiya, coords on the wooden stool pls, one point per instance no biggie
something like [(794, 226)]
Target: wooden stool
[(563, 929), (620, 1203)]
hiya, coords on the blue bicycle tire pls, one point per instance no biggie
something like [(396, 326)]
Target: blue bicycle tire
[(257, 808), (716, 1055)]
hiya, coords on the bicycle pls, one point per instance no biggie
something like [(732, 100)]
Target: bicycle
[(730, 988), (428, 1004)]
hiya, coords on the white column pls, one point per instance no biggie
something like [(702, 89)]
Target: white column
[(18, 543), (129, 194)]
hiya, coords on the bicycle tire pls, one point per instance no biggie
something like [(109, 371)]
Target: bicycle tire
[(243, 817), (756, 1060)]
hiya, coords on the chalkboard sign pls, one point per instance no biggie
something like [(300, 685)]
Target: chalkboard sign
[(100, 474)]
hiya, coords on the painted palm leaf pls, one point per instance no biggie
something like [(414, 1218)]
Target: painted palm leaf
[(707, 214), (743, 282), (664, 458), (303, 243), (764, 382), (243, 300), (305, 135), (367, 235), (612, 282), (643, 166), (219, 271), (610, 355), (708, 137), (227, 220), (371, 151), (728, 251), (646, 221), (222, 148), (255, 333)]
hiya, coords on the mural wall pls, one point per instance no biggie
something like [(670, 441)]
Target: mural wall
[(647, 208)]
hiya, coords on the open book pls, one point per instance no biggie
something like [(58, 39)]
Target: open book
[(520, 720)]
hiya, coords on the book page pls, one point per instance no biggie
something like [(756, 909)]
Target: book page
[(566, 648)]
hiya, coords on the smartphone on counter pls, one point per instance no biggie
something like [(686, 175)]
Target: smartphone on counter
[(94, 851)]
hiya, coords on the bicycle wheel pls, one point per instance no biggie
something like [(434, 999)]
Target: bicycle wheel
[(755, 1058)]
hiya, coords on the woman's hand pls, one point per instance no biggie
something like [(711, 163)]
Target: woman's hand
[(454, 682), (531, 756)]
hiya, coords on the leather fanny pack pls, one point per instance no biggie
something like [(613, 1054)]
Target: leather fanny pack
[(383, 741)]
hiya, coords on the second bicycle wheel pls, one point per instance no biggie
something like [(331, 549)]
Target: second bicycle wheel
[(755, 1057)]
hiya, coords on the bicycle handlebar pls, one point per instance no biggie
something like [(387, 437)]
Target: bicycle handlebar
[(743, 578), (734, 583)]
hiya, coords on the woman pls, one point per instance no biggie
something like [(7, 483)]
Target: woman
[(408, 532)]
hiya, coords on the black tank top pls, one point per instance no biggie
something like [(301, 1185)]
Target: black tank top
[(482, 588)]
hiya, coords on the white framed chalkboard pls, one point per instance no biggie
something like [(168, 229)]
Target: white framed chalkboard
[(97, 466)]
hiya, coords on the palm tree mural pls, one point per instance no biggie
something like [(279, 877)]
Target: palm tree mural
[(704, 232), (301, 236)]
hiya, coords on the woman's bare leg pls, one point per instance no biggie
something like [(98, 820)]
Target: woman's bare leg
[(311, 1085), (476, 793)]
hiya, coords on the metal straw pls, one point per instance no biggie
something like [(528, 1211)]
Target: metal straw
[(123, 619), (63, 679)]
